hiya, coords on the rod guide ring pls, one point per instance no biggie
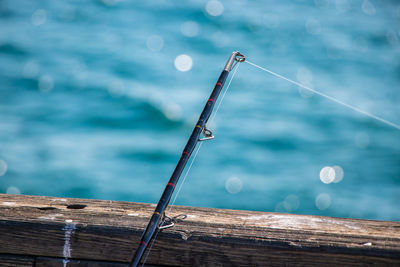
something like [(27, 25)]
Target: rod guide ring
[(239, 57)]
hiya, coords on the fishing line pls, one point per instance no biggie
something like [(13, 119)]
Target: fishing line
[(223, 95), (184, 178), (197, 151), (173, 201), (191, 163), (392, 124), (150, 247)]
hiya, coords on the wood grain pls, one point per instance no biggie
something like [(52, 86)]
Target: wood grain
[(15, 260), (55, 262), (109, 231)]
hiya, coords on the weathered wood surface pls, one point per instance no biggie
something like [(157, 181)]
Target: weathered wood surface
[(7, 260), (15, 260), (51, 262), (108, 231)]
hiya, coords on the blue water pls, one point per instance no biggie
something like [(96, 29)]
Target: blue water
[(93, 106)]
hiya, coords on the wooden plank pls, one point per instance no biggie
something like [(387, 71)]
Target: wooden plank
[(55, 262), (7, 260), (109, 231)]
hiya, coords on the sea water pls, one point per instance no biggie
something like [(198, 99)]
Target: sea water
[(98, 98)]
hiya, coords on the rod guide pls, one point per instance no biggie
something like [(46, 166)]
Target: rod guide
[(233, 59)]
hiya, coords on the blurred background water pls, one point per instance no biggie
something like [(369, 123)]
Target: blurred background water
[(98, 98)]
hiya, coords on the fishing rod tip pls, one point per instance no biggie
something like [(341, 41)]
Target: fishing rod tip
[(233, 59), (239, 57)]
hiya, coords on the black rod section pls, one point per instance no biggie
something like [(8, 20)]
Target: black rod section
[(154, 222)]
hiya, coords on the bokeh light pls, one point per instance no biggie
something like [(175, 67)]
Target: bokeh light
[(233, 185), (291, 203), (323, 201), (46, 83), (304, 93), (368, 8), (392, 38), (183, 63), (39, 17), (304, 75), (333, 174), (13, 190), (3, 167), (155, 43), (214, 8), (327, 175), (280, 207), (172, 111), (339, 174)]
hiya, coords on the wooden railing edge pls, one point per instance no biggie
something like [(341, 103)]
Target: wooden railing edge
[(66, 229)]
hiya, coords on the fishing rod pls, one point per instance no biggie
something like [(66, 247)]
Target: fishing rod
[(159, 220)]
